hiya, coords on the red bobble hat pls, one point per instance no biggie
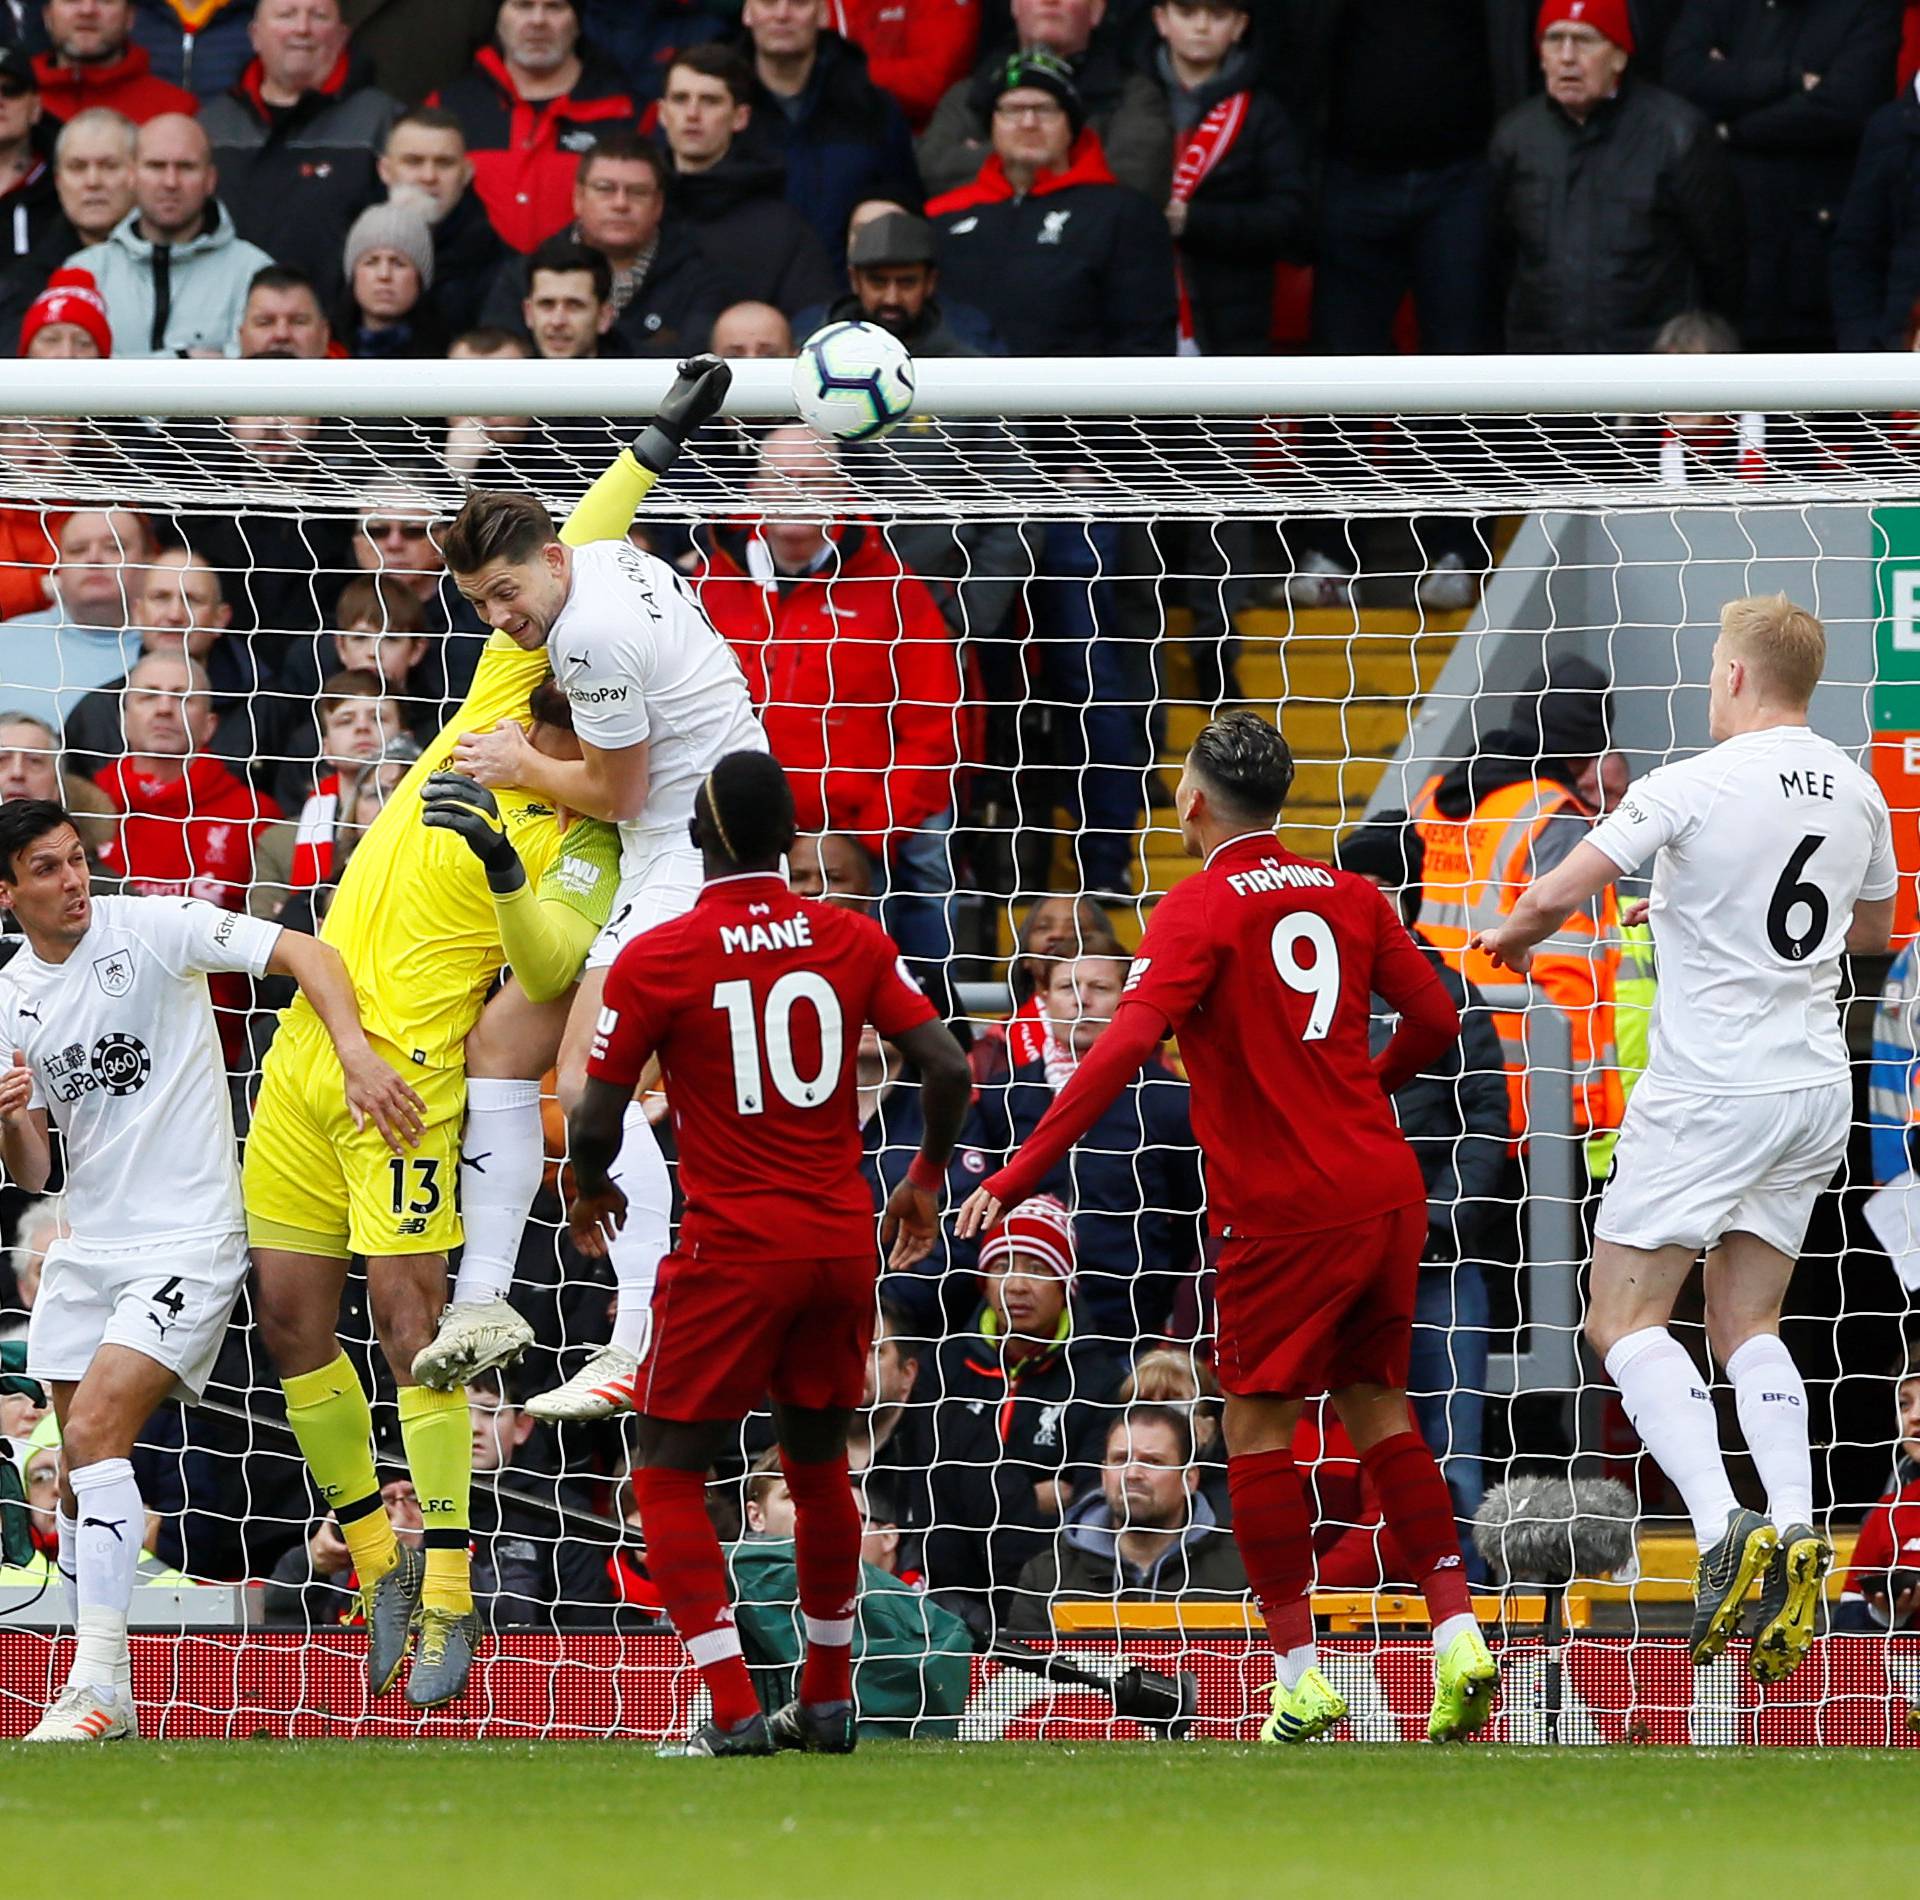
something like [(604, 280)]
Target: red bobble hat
[(71, 296), (1040, 1229), (1609, 17)]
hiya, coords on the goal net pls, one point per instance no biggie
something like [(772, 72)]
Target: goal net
[(982, 646)]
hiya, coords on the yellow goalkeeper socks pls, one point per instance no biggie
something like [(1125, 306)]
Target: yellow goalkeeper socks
[(330, 1417), (439, 1439)]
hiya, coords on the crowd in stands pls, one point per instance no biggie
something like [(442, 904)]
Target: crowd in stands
[(226, 696)]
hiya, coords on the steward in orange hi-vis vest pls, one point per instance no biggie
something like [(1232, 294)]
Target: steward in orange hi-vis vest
[(1493, 824)]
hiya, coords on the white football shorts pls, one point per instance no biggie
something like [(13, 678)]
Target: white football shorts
[(1691, 1167), (170, 1300), (660, 876)]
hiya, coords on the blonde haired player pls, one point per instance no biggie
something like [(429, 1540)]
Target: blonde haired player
[(1772, 854), (425, 922)]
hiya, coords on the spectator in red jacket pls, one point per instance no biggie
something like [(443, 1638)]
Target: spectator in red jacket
[(1883, 1588), (853, 669), (93, 63), (532, 104), (915, 49), (189, 824)]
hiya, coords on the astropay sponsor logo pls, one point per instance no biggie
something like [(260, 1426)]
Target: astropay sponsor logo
[(596, 693)]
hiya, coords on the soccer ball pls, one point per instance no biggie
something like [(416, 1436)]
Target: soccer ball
[(852, 381)]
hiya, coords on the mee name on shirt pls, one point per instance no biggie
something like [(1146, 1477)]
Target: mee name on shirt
[(639, 661), (1264, 965), (126, 1061), (1764, 845), (754, 1002)]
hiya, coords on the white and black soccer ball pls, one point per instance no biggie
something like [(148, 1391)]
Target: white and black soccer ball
[(852, 381)]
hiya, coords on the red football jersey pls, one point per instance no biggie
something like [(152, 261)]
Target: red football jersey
[(754, 1002), (1263, 964)]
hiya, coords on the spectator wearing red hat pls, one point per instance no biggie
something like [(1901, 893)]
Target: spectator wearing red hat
[(68, 318), (1018, 1417), (1614, 199), (93, 63), (1789, 90)]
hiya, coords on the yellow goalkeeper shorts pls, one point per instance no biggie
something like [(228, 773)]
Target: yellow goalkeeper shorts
[(316, 1184)]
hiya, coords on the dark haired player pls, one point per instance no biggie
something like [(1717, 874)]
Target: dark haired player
[(110, 1038), (754, 1002), (657, 698), (1263, 965)]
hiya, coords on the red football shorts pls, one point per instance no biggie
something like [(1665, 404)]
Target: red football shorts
[(726, 1332), (1302, 1314)]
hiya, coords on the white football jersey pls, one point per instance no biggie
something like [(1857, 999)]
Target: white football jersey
[(1765, 844), (639, 660), (126, 1061)]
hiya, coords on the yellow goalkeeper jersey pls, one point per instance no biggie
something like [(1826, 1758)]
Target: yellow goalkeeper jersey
[(413, 917)]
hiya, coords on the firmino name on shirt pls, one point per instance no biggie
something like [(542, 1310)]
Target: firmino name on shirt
[(1269, 876), (786, 933)]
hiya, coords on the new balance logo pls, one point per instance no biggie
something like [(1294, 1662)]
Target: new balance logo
[(114, 1524)]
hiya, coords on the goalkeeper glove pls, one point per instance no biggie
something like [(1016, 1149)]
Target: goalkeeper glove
[(695, 397), (472, 812)]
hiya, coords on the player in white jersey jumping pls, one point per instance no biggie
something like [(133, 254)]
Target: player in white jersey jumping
[(1773, 854), (658, 699), (111, 1039)]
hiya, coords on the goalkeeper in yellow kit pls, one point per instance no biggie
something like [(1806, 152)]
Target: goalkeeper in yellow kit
[(449, 884)]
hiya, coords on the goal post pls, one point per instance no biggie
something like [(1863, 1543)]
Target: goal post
[(1114, 549)]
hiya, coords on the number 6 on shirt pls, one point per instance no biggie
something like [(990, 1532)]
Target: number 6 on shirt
[(1319, 979)]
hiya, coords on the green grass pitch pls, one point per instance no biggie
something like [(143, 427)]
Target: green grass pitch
[(518, 1821)]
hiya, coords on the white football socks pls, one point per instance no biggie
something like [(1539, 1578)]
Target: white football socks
[(1772, 1401), (502, 1157), (64, 1561), (641, 1171), (1293, 1664), (112, 1526), (1672, 1410)]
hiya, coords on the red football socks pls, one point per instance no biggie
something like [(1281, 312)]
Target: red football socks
[(826, 1553), (1419, 1512), (1275, 1540), (684, 1561)]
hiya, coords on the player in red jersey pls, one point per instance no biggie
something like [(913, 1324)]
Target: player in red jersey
[(754, 1002), (1264, 965)]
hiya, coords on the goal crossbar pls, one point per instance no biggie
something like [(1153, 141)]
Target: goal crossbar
[(988, 386)]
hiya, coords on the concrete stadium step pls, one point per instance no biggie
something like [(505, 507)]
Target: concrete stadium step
[(1333, 728), (1341, 684)]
